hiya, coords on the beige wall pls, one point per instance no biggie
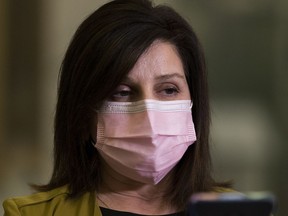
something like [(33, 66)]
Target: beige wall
[(3, 53)]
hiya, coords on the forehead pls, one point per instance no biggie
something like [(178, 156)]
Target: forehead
[(161, 58)]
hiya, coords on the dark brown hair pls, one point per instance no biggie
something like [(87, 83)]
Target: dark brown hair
[(102, 52)]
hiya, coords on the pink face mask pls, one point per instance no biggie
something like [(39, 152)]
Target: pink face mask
[(144, 140)]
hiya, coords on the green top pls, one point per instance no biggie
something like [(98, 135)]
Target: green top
[(55, 203), (52, 202)]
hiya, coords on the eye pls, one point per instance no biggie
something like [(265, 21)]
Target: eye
[(122, 93), (168, 91)]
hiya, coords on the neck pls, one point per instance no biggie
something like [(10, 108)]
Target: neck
[(120, 193)]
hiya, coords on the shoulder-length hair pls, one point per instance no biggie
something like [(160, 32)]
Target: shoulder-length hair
[(103, 50)]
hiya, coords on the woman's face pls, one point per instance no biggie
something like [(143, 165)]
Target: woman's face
[(158, 74)]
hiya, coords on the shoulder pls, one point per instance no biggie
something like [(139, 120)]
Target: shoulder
[(54, 202), (39, 197), (35, 203), (224, 190)]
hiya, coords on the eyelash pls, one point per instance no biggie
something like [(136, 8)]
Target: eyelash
[(164, 92), (169, 89), (119, 93)]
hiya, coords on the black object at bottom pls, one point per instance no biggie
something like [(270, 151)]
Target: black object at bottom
[(231, 208)]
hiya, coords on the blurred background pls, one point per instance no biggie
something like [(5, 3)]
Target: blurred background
[(246, 46)]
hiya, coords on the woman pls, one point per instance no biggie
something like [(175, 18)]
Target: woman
[(127, 139)]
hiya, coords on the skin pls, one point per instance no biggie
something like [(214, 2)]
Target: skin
[(158, 74)]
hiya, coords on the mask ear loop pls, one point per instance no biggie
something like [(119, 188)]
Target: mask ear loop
[(91, 140), (96, 111), (191, 104)]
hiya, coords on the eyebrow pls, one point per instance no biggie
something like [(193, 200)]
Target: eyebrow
[(164, 77), (169, 76)]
